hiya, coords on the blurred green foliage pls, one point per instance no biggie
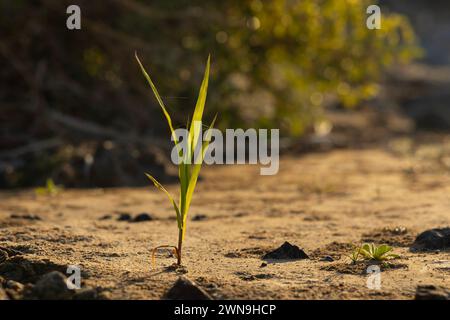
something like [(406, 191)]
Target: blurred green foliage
[(275, 64)]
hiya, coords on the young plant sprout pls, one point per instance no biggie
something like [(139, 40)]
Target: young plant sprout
[(50, 188), (355, 255), (372, 252), (191, 161)]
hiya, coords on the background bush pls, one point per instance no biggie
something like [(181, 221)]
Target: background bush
[(275, 64)]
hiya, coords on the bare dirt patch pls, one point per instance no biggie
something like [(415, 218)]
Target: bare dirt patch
[(245, 216), (360, 268), (397, 236)]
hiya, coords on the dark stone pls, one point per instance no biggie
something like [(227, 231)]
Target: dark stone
[(185, 289), (199, 217), (434, 239), (286, 252), (430, 292), (327, 259), (52, 286), (124, 217), (142, 217), (23, 270), (263, 265), (85, 294), (105, 217)]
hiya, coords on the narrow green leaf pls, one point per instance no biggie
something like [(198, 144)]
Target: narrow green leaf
[(196, 169), (383, 249), (160, 187), (158, 98), (199, 107), (189, 168)]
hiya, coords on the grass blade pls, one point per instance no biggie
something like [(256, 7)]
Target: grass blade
[(196, 170), (199, 107), (160, 187), (191, 157), (158, 98)]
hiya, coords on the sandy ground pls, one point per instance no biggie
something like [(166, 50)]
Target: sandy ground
[(322, 202)]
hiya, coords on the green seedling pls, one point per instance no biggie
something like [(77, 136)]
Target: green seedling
[(355, 255), (372, 252), (189, 167), (380, 253), (50, 188)]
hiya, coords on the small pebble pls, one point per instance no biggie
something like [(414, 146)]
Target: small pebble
[(124, 217), (143, 217), (199, 217), (185, 289), (52, 286), (327, 258)]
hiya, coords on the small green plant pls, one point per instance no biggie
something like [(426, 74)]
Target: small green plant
[(354, 256), (191, 161), (369, 251), (50, 188)]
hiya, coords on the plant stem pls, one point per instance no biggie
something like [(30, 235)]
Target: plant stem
[(180, 243)]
